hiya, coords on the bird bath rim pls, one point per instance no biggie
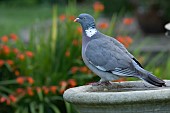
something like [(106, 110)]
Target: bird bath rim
[(89, 94)]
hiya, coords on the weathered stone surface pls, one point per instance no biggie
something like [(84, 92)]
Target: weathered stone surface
[(124, 97)]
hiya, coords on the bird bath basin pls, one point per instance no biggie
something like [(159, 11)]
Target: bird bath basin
[(123, 97)]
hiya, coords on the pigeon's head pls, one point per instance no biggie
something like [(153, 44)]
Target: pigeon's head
[(85, 20)]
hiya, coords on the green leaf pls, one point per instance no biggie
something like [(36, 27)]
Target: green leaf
[(18, 110), (7, 82), (32, 107), (56, 110), (41, 108), (68, 107), (6, 89)]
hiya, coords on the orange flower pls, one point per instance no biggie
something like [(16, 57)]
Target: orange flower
[(63, 83), (17, 73), (10, 62), (45, 89), (98, 7), (4, 38), (12, 98), (128, 21), (79, 30), (30, 80), (74, 69), (125, 40), (21, 57), (29, 54), (72, 82), (84, 69), (2, 99), (38, 89), (13, 36), (15, 50), (1, 63), (8, 102), (67, 53), (6, 49), (103, 25), (53, 89), (61, 91), (75, 42), (19, 90), (20, 80), (30, 91), (62, 17), (71, 18)]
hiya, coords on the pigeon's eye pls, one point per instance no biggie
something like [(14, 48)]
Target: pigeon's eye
[(84, 18)]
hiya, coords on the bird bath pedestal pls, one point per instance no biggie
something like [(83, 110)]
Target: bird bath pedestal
[(123, 97)]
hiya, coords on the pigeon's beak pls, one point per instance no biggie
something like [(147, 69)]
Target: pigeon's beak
[(76, 20)]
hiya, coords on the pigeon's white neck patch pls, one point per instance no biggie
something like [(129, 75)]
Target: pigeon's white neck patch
[(91, 31)]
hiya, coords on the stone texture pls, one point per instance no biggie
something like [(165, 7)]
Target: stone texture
[(124, 97)]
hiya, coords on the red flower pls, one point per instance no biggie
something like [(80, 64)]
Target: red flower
[(74, 69), (30, 80), (13, 36), (4, 38), (79, 30), (15, 50), (45, 89), (30, 91), (10, 62), (103, 25), (67, 53), (6, 49), (2, 99), (1, 63), (75, 42), (128, 21), (62, 91), (12, 98), (29, 54), (17, 73), (20, 80), (62, 17), (63, 83), (21, 57), (71, 18), (19, 90), (84, 69), (38, 89), (72, 82), (125, 40), (98, 7), (53, 89)]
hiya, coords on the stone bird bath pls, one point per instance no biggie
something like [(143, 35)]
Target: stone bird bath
[(123, 97)]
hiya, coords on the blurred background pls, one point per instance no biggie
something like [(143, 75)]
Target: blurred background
[(40, 47)]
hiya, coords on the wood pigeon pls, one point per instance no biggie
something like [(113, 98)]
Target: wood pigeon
[(107, 57)]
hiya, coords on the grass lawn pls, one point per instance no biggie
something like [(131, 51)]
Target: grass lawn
[(12, 19)]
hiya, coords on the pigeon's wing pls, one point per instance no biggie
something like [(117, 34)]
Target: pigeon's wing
[(106, 56), (122, 47)]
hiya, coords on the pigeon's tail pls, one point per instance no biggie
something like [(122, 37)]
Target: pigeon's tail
[(148, 77)]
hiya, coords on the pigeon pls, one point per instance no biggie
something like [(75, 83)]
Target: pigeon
[(108, 58)]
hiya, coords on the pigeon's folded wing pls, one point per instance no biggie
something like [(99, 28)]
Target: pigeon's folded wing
[(106, 56), (122, 47)]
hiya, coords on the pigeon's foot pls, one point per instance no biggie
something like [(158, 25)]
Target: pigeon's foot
[(105, 83)]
